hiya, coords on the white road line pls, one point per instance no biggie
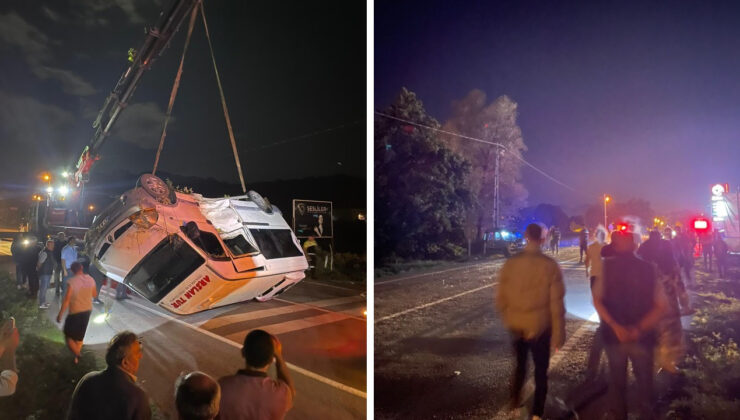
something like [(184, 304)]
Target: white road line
[(304, 372), (330, 285), (314, 305), (436, 302), (224, 320), (294, 325), (485, 265)]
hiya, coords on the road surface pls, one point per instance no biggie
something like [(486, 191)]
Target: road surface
[(440, 348), (321, 325)]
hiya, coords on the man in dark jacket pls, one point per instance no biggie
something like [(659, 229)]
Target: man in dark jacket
[(30, 257), (630, 302), (16, 250), (112, 394)]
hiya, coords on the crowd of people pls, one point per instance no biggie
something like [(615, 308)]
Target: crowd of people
[(250, 393), (113, 393), (638, 291)]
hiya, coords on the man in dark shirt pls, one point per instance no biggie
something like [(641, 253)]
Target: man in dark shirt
[(630, 302), (112, 394), (583, 244)]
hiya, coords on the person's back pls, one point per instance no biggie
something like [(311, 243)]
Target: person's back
[(528, 284), (659, 252), (253, 395), (82, 289), (628, 290), (109, 395)]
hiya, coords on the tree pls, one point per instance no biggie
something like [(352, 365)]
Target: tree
[(420, 194), (494, 122)]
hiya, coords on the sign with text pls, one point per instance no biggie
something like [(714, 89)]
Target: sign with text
[(312, 218)]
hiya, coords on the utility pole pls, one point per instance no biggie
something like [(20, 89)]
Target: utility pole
[(496, 215)]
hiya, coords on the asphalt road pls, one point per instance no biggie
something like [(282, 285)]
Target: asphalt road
[(441, 350), (321, 325)]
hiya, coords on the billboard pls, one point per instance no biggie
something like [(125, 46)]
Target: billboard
[(313, 218)]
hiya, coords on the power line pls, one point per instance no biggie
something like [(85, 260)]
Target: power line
[(304, 136), (540, 171)]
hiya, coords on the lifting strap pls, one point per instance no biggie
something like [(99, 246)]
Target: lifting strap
[(223, 100), (175, 87)]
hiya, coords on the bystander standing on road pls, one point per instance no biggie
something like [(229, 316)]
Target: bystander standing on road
[(16, 250), (594, 267), (9, 340), (706, 240), (555, 241), (69, 257), (530, 299), (45, 267), (30, 256), (683, 249), (59, 243), (630, 303), (582, 244), (112, 394), (670, 344), (78, 298), (720, 253), (683, 254), (251, 393), (197, 396)]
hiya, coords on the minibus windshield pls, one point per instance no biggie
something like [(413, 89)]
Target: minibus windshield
[(168, 264)]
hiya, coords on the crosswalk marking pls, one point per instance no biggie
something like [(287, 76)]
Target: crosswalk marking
[(226, 320)]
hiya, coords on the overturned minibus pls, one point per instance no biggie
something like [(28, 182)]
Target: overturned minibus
[(188, 253)]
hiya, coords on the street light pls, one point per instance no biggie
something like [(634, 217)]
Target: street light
[(46, 177), (606, 200), (91, 207)]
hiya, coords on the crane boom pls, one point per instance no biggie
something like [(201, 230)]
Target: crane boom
[(156, 41)]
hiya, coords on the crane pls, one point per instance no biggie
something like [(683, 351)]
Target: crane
[(157, 40)]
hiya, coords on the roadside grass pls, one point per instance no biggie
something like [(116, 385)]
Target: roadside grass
[(348, 267), (710, 388), (47, 375)]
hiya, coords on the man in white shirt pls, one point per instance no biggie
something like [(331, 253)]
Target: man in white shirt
[(594, 270)]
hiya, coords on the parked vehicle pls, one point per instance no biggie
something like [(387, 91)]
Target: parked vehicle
[(188, 253), (503, 241)]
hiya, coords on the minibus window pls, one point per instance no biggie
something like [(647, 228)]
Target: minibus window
[(206, 241), (168, 264), (239, 245), (276, 243)]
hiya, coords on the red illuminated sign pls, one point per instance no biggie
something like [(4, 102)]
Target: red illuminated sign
[(701, 224)]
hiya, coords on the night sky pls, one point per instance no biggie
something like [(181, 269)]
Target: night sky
[(634, 100), (288, 68)]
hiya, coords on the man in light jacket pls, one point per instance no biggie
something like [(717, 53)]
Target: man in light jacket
[(530, 299)]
